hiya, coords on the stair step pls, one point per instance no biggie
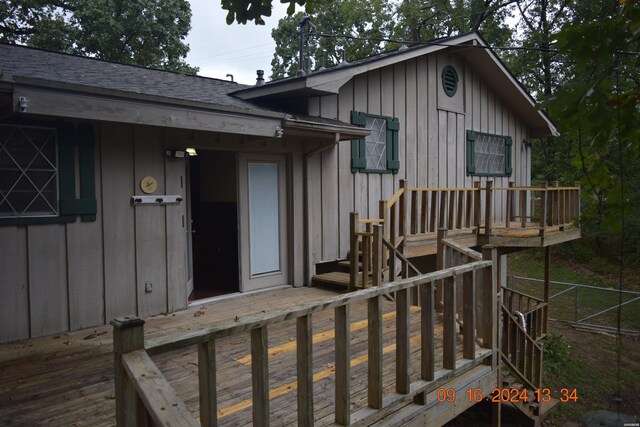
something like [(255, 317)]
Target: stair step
[(336, 278)]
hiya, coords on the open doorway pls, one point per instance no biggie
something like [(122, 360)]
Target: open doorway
[(214, 223)]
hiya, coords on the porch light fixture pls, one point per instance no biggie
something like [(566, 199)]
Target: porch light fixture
[(181, 154)]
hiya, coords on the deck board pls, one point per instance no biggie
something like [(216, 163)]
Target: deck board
[(67, 380)]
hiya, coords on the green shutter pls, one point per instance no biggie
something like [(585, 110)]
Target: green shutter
[(66, 172), (358, 159), (68, 139), (393, 162), (507, 156), (358, 118), (471, 139)]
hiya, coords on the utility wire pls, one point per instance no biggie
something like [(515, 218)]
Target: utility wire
[(445, 44)]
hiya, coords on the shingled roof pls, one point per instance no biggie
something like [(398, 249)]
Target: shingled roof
[(21, 61)]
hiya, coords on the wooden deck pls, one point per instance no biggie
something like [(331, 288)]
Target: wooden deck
[(67, 380)]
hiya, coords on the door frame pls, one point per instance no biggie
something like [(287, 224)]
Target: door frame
[(250, 282)]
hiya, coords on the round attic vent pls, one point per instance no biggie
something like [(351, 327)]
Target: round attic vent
[(449, 80)]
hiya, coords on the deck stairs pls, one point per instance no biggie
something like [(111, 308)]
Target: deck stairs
[(524, 326), (448, 223)]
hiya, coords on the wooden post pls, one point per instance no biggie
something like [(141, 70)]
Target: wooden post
[(469, 315), (443, 209), (403, 211), (448, 323), (403, 232), (383, 215), (366, 257), (543, 209), (304, 349), (424, 211), (476, 206), (440, 263), (577, 202), (555, 204), (507, 220), (469, 205), (488, 209), (547, 280), (490, 303), (376, 269), (374, 322), (354, 264), (433, 223), (403, 343), (260, 376), (343, 366), (128, 336), (413, 229), (207, 383), (460, 210), (523, 208), (427, 339)]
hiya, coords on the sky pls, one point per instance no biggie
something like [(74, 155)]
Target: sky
[(220, 49)]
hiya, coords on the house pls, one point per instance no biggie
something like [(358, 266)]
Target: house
[(103, 214)]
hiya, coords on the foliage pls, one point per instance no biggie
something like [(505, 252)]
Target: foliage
[(143, 32), (420, 20), (366, 24), (242, 11), (556, 352), (599, 110), (351, 17)]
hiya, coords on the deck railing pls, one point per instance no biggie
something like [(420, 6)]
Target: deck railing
[(547, 206), (142, 393), (520, 351), (412, 214), (532, 309)]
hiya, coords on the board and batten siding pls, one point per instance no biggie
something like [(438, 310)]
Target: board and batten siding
[(60, 277), (432, 143)]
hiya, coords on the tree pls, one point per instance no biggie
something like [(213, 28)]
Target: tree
[(599, 109), (421, 20), (149, 33), (242, 11), (369, 20), (359, 27)]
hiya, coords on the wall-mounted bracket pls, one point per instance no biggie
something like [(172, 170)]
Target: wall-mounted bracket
[(160, 199)]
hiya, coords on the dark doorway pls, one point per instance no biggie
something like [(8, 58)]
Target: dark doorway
[(214, 216)]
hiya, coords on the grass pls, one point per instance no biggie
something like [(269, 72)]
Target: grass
[(585, 361)]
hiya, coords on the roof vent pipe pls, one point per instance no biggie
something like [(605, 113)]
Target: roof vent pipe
[(301, 61), (260, 78)]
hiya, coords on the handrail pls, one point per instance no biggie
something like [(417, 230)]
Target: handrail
[(400, 255), (233, 327), (462, 249), (159, 398), (522, 294), (520, 351), (536, 188), (443, 188), (396, 196)]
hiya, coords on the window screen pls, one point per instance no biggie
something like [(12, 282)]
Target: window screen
[(488, 154), (28, 172)]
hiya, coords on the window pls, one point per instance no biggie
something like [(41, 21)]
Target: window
[(38, 174), (378, 152), (488, 155), (28, 171)]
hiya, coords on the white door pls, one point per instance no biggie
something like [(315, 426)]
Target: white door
[(263, 221)]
